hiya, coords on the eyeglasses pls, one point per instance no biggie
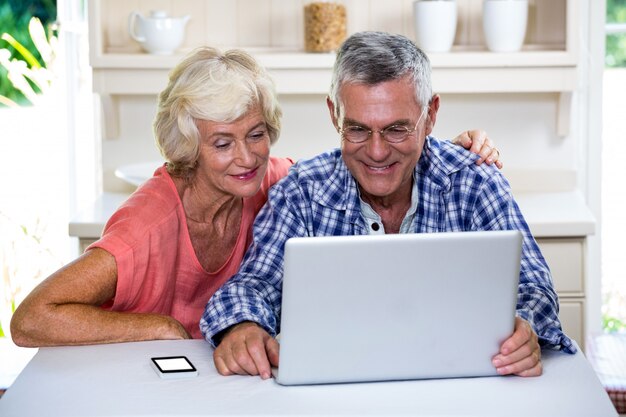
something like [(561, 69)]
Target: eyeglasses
[(392, 134)]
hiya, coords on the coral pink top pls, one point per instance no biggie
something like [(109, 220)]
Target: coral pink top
[(157, 268)]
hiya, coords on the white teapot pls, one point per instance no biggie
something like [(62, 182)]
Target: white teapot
[(158, 33)]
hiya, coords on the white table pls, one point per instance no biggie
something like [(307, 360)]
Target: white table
[(117, 380)]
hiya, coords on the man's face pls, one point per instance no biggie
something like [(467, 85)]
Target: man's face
[(383, 170)]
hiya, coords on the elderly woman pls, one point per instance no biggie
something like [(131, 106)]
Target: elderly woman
[(184, 232)]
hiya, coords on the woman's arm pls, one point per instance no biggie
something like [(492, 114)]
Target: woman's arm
[(65, 309)]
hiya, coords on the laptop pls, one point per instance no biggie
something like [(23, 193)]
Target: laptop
[(396, 307)]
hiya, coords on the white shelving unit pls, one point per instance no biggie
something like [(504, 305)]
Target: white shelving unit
[(304, 73), (547, 62)]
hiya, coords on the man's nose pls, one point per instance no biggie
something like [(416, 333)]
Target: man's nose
[(377, 147)]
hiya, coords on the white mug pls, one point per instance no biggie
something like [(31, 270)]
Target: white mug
[(435, 24), (158, 33), (504, 24)]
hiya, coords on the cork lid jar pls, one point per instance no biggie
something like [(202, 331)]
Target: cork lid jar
[(324, 26)]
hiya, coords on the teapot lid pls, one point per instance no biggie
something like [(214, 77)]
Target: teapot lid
[(158, 14)]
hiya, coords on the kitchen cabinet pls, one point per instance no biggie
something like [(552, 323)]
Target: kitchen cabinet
[(561, 223), (273, 31), (566, 259)]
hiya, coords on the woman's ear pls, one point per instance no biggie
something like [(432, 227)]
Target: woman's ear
[(433, 108)]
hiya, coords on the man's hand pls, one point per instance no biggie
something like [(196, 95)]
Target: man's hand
[(476, 141), (246, 349), (520, 354)]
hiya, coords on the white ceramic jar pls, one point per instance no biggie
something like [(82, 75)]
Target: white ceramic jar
[(157, 33), (435, 24), (504, 24)]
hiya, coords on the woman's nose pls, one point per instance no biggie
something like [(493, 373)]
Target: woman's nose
[(243, 154)]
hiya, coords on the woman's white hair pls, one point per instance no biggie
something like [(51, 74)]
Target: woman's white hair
[(210, 85)]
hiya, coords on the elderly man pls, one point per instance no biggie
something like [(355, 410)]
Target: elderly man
[(389, 176)]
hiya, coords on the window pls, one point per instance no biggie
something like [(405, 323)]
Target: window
[(45, 141), (613, 154)]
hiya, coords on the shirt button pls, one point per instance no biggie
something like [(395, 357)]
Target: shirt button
[(375, 227)]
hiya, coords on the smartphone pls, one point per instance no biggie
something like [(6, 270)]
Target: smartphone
[(173, 367)]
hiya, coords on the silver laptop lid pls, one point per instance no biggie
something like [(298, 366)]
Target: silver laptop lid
[(393, 307)]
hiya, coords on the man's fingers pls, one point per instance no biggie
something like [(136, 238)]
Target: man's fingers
[(256, 351), (528, 366), (522, 334), (242, 351), (520, 354), (537, 370), (220, 365), (225, 361), (242, 359), (273, 348)]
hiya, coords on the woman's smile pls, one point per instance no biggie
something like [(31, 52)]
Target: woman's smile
[(246, 176)]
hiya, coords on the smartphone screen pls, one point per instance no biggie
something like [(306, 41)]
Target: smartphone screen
[(173, 366)]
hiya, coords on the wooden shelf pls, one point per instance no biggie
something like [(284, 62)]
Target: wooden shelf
[(303, 73), (300, 73), (458, 57)]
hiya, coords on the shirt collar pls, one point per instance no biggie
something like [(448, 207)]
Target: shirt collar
[(374, 222)]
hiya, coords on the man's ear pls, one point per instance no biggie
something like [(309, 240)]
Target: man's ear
[(433, 108), (331, 109)]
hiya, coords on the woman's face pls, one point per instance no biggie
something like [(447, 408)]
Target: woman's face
[(233, 156)]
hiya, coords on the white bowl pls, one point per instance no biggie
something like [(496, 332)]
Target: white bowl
[(136, 174)]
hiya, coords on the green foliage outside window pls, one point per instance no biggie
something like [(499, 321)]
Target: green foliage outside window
[(616, 42), (17, 43), (15, 18)]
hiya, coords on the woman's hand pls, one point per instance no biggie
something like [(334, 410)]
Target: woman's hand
[(477, 141)]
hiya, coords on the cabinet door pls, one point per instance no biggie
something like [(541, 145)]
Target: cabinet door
[(572, 313), (565, 259)]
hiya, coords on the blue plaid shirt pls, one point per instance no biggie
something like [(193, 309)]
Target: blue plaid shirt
[(319, 197)]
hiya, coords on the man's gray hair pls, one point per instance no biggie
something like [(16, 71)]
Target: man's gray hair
[(374, 57)]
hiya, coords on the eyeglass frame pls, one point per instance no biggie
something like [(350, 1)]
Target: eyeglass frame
[(370, 132)]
